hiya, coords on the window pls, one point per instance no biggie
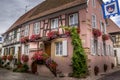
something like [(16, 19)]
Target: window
[(94, 23), (93, 3), (12, 50), (73, 19), (101, 26), (61, 48), (15, 33), (54, 23), (104, 48), (94, 46), (58, 48), (36, 28), (0, 39), (26, 32), (26, 49)]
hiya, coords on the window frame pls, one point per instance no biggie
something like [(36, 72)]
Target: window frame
[(75, 19), (93, 3), (26, 31), (36, 28), (60, 49), (54, 23), (26, 49), (94, 21)]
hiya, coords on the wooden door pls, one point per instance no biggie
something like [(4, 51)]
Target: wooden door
[(34, 67), (19, 53), (48, 48)]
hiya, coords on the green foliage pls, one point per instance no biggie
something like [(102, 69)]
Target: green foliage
[(79, 64), (23, 68)]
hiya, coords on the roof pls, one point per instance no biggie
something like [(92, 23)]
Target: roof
[(112, 27), (45, 8)]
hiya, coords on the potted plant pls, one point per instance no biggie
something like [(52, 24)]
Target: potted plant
[(53, 34), (105, 37), (10, 57), (25, 58), (38, 57), (96, 32)]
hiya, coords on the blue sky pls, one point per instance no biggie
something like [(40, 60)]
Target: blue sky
[(11, 10)]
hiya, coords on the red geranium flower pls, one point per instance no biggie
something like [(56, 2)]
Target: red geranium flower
[(105, 37), (25, 58), (38, 55), (96, 32), (9, 57), (34, 37), (52, 34), (4, 57)]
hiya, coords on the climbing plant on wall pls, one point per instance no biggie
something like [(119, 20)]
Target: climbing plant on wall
[(79, 63)]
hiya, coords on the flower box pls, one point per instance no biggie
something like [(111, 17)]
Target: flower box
[(25, 58), (96, 32), (4, 57), (24, 39), (10, 57), (53, 34), (105, 37), (34, 37)]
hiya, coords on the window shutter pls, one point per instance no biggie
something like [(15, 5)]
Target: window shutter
[(64, 48), (92, 46)]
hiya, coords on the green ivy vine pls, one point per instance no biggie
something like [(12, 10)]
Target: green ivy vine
[(79, 63)]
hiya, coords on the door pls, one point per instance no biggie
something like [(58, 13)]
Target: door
[(34, 67), (48, 48), (19, 53)]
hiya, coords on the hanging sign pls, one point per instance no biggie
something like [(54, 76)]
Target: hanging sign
[(110, 9)]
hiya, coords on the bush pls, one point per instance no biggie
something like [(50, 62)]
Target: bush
[(23, 68)]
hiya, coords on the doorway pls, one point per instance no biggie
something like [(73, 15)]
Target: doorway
[(34, 67), (19, 53), (48, 48)]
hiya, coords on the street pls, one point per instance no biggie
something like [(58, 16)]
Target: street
[(112, 76), (9, 75)]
